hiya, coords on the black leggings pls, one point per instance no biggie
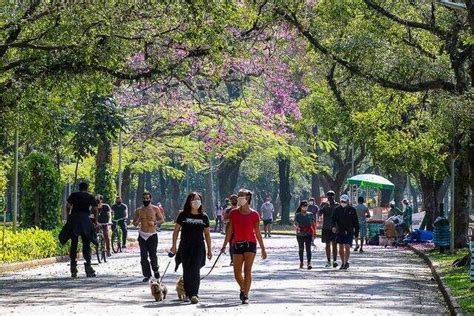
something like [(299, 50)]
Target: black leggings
[(302, 242), (192, 263), (148, 249)]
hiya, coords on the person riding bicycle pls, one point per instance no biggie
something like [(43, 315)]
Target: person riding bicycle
[(105, 214), (120, 215)]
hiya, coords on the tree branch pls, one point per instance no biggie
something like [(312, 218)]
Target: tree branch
[(436, 84), (427, 27)]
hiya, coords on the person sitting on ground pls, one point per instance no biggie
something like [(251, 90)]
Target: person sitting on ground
[(304, 225), (407, 214), (346, 227), (394, 211), (148, 216)]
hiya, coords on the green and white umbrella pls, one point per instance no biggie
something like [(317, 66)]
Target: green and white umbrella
[(371, 181)]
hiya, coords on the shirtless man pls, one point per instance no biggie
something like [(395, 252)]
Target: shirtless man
[(148, 217)]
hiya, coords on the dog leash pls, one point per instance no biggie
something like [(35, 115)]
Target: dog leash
[(213, 266), (166, 269)]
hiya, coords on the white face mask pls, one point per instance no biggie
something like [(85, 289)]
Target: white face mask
[(196, 203), (242, 200), (311, 203)]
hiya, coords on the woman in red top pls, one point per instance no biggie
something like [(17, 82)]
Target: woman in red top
[(244, 226)]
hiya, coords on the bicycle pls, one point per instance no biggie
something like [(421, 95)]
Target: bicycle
[(101, 253), (116, 236)]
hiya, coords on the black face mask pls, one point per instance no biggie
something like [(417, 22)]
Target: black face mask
[(146, 203)]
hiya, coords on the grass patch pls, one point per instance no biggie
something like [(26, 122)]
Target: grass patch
[(457, 279)]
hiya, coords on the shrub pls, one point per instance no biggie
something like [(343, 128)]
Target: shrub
[(41, 192), (29, 244)]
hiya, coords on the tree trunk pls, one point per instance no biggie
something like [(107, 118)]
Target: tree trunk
[(400, 181), (227, 174), (148, 184), (126, 185), (461, 207), (139, 191), (285, 194), (315, 184), (430, 189), (163, 196), (176, 204), (208, 196), (104, 182)]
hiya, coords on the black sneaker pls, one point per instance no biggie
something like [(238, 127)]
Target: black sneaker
[(146, 279), (124, 247), (346, 266), (156, 275), (241, 296), (328, 265), (342, 267), (245, 299), (334, 265), (356, 248), (309, 266), (301, 265)]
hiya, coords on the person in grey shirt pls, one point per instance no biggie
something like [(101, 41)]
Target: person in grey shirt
[(266, 213), (362, 214)]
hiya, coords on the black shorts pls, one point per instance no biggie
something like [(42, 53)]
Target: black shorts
[(267, 222), (345, 239), (242, 247), (327, 235)]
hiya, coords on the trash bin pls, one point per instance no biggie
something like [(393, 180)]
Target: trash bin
[(441, 232)]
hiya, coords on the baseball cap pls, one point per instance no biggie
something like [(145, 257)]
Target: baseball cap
[(344, 198)]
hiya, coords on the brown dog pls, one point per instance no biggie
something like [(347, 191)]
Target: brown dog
[(158, 290), (180, 289)]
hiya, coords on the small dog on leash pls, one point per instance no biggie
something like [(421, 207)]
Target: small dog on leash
[(180, 289), (158, 290)]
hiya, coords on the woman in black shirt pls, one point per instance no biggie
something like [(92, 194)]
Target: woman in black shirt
[(194, 226)]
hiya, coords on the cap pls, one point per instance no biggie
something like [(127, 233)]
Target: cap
[(392, 203), (330, 192), (344, 198)]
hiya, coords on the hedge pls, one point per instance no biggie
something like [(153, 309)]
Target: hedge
[(31, 243)]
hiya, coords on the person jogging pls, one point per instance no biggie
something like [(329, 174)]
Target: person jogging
[(245, 227)]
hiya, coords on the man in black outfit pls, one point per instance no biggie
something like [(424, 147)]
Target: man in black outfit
[(80, 205), (327, 236), (346, 227)]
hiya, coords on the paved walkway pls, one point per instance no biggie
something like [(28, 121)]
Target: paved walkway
[(380, 281)]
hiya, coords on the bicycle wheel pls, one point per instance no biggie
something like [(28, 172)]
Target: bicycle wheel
[(103, 253), (98, 249), (116, 245)]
